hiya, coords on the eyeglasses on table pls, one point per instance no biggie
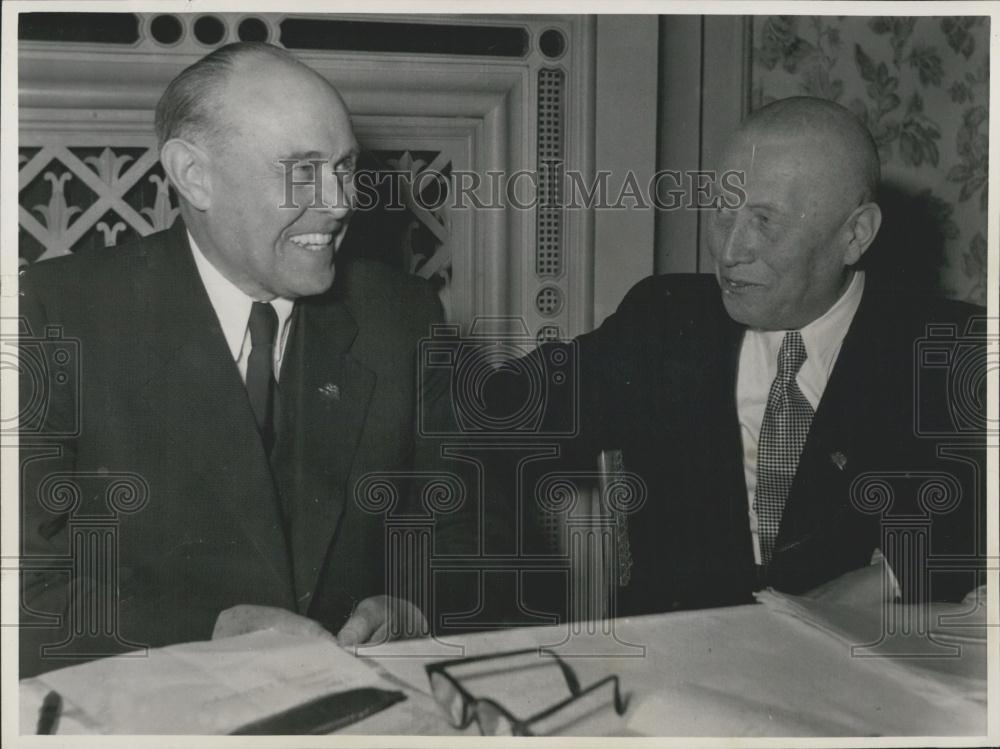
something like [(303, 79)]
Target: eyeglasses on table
[(461, 707)]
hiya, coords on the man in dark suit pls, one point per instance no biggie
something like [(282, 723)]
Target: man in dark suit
[(233, 393), (778, 413)]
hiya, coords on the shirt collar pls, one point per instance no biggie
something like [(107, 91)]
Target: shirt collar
[(231, 304), (824, 335)]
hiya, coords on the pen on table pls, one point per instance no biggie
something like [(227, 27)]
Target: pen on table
[(48, 715)]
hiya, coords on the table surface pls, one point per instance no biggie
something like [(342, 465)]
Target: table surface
[(786, 666)]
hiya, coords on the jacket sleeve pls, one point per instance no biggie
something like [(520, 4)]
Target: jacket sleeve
[(49, 422), (447, 483)]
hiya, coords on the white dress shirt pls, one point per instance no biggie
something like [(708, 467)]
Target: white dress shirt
[(232, 307), (758, 367)]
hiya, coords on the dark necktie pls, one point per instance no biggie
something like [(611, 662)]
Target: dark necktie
[(783, 432), (261, 385)]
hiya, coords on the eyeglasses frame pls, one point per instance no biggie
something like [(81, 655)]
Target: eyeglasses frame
[(520, 726)]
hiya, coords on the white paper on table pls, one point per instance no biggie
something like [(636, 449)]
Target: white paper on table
[(405, 659), (205, 687), (693, 709), (925, 656), (797, 681), (786, 668)]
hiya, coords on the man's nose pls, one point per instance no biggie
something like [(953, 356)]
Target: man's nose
[(338, 193), (736, 245)]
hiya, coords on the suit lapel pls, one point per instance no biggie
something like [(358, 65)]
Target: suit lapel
[(196, 396), (818, 494), (325, 393)]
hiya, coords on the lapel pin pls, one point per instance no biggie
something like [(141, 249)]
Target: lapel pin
[(839, 460), (330, 391)]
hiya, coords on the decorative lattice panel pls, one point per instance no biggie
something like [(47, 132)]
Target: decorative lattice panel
[(74, 198), (408, 224)]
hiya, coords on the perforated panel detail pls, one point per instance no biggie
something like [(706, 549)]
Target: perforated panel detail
[(549, 301), (548, 229)]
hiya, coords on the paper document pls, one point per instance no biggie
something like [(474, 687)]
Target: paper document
[(196, 688)]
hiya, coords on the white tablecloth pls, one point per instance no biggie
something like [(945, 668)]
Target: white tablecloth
[(783, 667)]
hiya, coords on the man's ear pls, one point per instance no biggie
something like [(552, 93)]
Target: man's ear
[(186, 166), (861, 227)]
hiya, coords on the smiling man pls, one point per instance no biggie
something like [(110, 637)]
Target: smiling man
[(237, 380), (777, 410), (234, 164)]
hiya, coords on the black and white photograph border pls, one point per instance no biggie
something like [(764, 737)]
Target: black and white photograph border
[(530, 164)]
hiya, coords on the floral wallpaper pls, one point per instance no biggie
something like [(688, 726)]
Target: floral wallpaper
[(922, 87)]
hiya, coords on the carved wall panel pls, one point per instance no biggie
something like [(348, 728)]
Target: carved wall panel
[(437, 94)]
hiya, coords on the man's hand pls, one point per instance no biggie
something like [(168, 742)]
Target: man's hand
[(244, 618), (382, 618)]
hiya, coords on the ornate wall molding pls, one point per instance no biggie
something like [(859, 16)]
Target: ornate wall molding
[(476, 112)]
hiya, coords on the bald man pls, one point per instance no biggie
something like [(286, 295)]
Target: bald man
[(777, 412), (237, 381)]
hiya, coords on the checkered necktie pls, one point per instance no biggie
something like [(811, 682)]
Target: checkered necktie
[(782, 434)]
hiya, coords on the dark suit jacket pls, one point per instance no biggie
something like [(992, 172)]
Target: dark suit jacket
[(658, 381), (159, 406)]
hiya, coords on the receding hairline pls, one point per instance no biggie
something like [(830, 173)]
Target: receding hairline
[(230, 107), (802, 116), (243, 59), (184, 110)]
